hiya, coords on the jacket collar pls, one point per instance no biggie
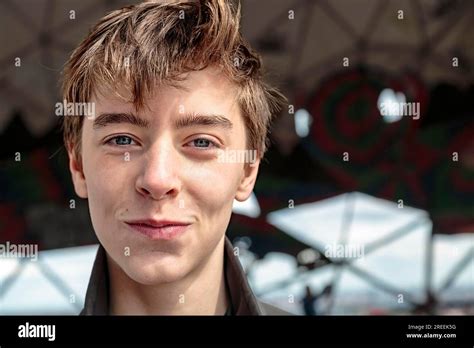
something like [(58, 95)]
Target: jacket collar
[(242, 299)]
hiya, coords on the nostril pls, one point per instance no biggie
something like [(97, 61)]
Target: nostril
[(156, 188), (144, 191)]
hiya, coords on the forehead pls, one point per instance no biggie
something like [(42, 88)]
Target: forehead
[(208, 88)]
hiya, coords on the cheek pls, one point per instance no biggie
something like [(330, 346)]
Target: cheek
[(106, 179), (211, 189), (213, 185)]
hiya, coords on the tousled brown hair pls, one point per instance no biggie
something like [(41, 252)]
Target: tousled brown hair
[(155, 43)]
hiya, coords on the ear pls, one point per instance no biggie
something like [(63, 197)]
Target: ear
[(247, 182), (77, 174)]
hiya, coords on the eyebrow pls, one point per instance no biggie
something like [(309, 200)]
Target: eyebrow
[(189, 120), (112, 118)]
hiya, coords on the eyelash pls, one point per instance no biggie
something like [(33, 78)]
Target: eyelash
[(213, 144), (109, 141)]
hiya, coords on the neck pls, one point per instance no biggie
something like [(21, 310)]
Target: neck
[(182, 297)]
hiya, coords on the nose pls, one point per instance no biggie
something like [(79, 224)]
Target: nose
[(159, 177)]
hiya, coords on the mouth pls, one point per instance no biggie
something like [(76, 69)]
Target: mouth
[(159, 230)]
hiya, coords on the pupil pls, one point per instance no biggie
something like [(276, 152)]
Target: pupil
[(202, 142), (123, 141)]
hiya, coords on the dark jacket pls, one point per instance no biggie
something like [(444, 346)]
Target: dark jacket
[(243, 301)]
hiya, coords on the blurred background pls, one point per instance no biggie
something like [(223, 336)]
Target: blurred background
[(355, 211)]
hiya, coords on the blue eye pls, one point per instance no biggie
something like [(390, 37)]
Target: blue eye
[(203, 143), (121, 140)]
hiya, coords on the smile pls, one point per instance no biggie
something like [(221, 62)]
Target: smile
[(159, 230)]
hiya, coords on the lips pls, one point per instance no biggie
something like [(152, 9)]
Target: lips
[(159, 229)]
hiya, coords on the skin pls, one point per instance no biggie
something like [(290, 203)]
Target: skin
[(166, 173)]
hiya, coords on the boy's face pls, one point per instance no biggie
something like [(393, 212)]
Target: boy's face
[(160, 164)]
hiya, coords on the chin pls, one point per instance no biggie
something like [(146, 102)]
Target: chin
[(154, 272)]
